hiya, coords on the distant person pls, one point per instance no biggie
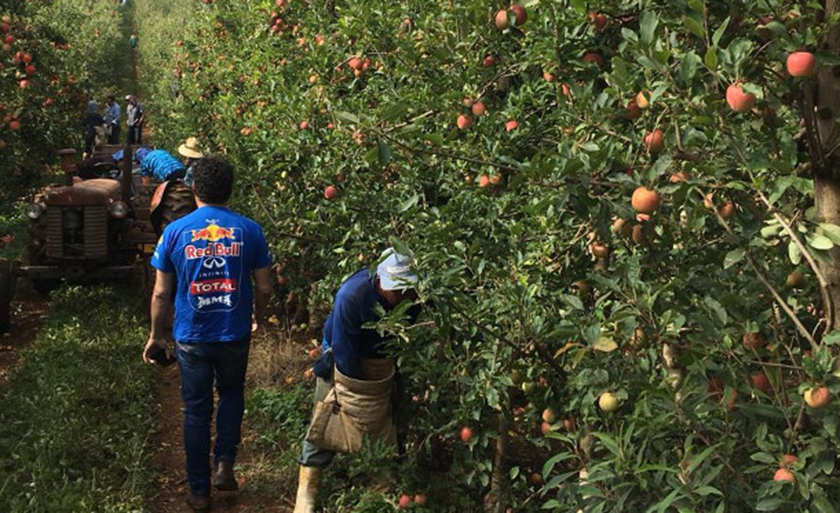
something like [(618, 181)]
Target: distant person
[(192, 154), (133, 40), (206, 260), (92, 120), (112, 120), (160, 164), (134, 120)]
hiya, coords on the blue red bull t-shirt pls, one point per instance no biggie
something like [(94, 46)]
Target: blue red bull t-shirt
[(213, 252)]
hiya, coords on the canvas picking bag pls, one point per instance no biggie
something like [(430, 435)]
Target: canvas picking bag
[(355, 410)]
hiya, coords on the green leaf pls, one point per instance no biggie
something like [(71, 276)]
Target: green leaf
[(769, 504), (647, 26), (688, 67), (794, 254), (346, 116), (719, 33), (820, 242), (408, 204), (605, 345), (383, 153), (733, 257), (832, 338), (717, 308), (711, 59), (395, 112), (694, 26), (832, 231), (771, 231)]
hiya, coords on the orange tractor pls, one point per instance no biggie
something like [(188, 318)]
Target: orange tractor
[(100, 228)]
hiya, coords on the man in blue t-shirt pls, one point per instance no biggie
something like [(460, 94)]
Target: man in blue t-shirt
[(160, 164), (207, 260), (348, 343)]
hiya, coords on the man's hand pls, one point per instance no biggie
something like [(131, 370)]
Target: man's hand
[(153, 346)]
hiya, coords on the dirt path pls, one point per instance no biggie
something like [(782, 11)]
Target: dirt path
[(28, 311), (169, 461)]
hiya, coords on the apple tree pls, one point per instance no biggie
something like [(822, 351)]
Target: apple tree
[(625, 215)]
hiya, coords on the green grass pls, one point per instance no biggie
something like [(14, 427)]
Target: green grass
[(76, 413)]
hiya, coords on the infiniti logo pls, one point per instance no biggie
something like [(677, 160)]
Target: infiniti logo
[(213, 263)]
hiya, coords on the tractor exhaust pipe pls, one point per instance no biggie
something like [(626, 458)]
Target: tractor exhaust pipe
[(68, 165)]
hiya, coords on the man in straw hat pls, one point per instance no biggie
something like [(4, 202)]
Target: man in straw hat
[(192, 154), (354, 353)]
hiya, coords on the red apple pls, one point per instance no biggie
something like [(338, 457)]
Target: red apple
[(14, 125), (738, 100), (645, 200), (788, 459), (564, 88), (549, 77), (760, 381), (520, 15), (304, 125), (9, 39), (330, 192), (632, 110), (489, 61), (466, 434), (464, 121), (30, 70), (478, 109), (420, 499), (598, 19), (752, 341), (502, 21), (511, 125), (483, 181), (405, 501), (784, 475), (817, 397), (654, 141), (679, 176), (599, 250), (801, 64), (355, 63), (594, 58)]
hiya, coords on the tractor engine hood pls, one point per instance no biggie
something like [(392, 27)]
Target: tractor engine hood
[(98, 191)]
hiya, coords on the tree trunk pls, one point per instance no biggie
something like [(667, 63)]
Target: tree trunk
[(493, 500), (827, 167)]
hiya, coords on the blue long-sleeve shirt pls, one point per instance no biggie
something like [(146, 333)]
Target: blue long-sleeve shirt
[(343, 331), (113, 114), (160, 164)]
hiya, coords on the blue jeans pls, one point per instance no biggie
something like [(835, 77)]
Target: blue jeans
[(199, 364)]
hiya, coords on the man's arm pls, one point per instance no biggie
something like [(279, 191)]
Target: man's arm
[(161, 299), (346, 328), (262, 293)]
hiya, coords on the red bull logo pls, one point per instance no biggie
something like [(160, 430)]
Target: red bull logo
[(213, 233)]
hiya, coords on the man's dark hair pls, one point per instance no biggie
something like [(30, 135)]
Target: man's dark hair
[(213, 180), (111, 97)]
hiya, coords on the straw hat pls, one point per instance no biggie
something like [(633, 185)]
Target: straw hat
[(190, 149)]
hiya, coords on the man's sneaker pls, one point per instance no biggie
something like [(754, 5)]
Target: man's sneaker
[(223, 478), (198, 503)]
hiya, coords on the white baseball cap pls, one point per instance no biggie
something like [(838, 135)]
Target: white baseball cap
[(395, 271)]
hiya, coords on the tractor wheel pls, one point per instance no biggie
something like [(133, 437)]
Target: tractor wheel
[(177, 202), (6, 278)]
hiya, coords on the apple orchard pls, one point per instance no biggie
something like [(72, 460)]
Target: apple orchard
[(625, 214), (52, 55)]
